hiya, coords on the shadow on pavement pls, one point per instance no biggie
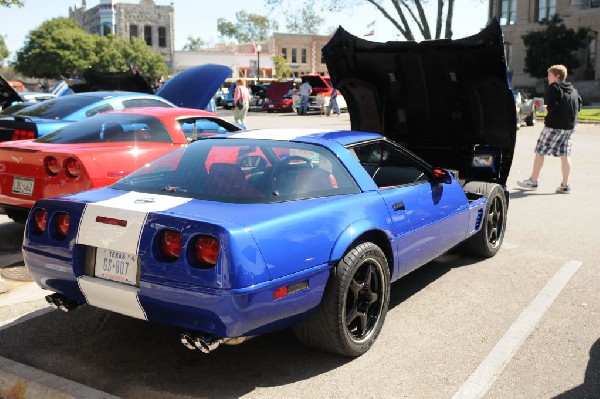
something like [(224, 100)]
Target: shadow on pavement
[(590, 389)]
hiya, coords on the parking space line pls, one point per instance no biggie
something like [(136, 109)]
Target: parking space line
[(492, 366)]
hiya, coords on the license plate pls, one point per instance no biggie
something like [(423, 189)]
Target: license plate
[(271, 106), (23, 185), (116, 266)]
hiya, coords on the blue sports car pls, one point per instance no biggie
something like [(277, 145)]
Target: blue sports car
[(191, 88), (250, 232)]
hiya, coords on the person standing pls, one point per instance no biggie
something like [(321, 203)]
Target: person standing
[(333, 105), (241, 102), (563, 103), (305, 90)]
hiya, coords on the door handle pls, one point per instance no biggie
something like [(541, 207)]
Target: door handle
[(398, 206)]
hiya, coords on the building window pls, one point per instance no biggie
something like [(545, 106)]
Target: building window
[(133, 31), (148, 34), (284, 53), (591, 57), (591, 4), (304, 56), (508, 12), (508, 49), (162, 36), (106, 29), (294, 55), (546, 9)]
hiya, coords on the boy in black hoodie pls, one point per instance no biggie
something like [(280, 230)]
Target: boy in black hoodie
[(563, 103)]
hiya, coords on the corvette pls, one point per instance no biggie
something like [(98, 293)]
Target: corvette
[(249, 232), (95, 152)]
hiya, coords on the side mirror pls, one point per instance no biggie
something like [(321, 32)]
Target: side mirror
[(441, 176)]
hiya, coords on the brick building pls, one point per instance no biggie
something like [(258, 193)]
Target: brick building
[(152, 23), (518, 17)]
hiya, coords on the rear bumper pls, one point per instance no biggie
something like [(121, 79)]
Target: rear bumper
[(224, 313)]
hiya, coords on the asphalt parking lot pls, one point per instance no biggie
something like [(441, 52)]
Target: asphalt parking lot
[(524, 324)]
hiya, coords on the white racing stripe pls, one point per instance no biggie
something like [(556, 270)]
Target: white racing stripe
[(492, 366), (132, 207), (277, 134), (111, 296)]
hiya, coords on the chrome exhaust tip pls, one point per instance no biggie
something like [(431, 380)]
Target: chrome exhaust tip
[(187, 341), (203, 343), (59, 301)]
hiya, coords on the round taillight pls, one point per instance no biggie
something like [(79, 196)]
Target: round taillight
[(206, 250), (62, 220), (170, 244), (40, 218), (52, 166), (73, 167)]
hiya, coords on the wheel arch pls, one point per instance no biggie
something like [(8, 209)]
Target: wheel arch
[(352, 236)]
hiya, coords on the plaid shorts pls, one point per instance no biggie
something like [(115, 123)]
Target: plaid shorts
[(555, 142)]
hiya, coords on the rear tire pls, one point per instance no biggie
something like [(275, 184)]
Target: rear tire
[(354, 306), (488, 240), (17, 216)]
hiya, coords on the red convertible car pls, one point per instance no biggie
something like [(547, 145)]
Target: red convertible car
[(95, 152)]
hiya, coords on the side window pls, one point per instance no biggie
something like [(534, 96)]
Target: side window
[(387, 165), (198, 128), (98, 109), (144, 102)]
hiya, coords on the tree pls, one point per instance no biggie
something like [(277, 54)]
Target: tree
[(247, 28), (403, 14), (554, 44), (194, 44), (282, 69), (57, 46), (306, 21), (8, 3), (3, 50), (60, 45)]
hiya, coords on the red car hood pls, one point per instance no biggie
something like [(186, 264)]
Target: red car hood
[(277, 90)]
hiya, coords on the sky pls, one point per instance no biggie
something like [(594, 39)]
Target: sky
[(199, 19)]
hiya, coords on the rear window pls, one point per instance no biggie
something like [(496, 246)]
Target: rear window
[(105, 128), (58, 108), (244, 171)]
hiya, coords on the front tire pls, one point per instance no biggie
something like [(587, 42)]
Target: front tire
[(488, 240), (354, 306)]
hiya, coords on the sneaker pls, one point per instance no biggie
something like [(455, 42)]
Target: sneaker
[(528, 183), (563, 189)]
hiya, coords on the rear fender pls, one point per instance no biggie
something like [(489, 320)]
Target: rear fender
[(349, 236)]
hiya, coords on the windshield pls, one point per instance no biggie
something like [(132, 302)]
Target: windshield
[(244, 171), (111, 128), (58, 108)]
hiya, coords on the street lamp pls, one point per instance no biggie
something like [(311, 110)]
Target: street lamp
[(258, 49)]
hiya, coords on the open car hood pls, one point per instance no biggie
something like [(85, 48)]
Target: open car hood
[(106, 81), (277, 90), (442, 99), (8, 95), (194, 87)]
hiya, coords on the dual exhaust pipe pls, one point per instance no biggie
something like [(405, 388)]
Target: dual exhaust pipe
[(208, 343), (59, 301)]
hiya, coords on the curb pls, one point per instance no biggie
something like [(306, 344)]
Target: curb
[(18, 381)]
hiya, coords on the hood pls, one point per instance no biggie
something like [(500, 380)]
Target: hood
[(565, 87), (442, 99), (8, 95), (118, 81), (277, 90), (194, 87)]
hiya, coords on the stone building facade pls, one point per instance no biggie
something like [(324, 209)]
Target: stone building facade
[(146, 20), (519, 17)]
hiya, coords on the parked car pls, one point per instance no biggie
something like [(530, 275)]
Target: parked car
[(278, 97), (192, 88), (321, 87), (95, 152), (250, 232), (36, 97), (526, 110)]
